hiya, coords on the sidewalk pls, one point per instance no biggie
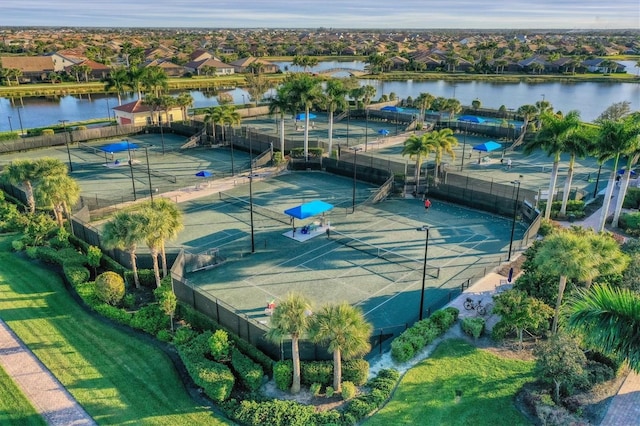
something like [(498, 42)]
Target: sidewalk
[(46, 393)]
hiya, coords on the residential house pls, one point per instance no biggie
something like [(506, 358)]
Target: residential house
[(200, 55), (96, 70), (220, 67), (158, 52), (34, 69), (245, 65), (139, 114), (171, 69)]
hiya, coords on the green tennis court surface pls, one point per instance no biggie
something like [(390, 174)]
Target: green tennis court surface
[(373, 258)]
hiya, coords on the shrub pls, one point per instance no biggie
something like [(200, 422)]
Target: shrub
[(401, 349), (360, 408), (114, 313), (183, 335), (473, 326), (129, 301), (316, 371), (48, 132), (110, 287), (329, 391), (150, 319), (632, 198), (315, 389), (274, 413), (348, 390), (442, 319), (249, 372), (219, 345), (355, 371), (145, 276), (164, 336), (32, 252), (76, 274), (71, 256), (17, 245), (283, 374)]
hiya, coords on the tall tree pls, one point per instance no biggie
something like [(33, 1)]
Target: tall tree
[(559, 360), (184, 101), (578, 143), (280, 104), (551, 139), (608, 320), (117, 80), (257, 86), (346, 332), (615, 139), (335, 97), (568, 256), (125, 231), (443, 142), (423, 102), (418, 149), (29, 173), (58, 192), (291, 318), (520, 311), (632, 123), (304, 92)]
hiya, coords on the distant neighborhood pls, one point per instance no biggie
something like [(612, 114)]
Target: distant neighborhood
[(61, 54)]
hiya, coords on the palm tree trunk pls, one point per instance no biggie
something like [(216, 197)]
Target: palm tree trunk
[(31, 201), (295, 355), (556, 315), (337, 371), (163, 254), (607, 196), (282, 135), (58, 215), (306, 134), (552, 186), (330, 132), (417, 174), (156, 270), (134, 266), (622, 191), (567, 187)]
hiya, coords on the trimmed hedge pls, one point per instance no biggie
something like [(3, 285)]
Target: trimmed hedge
[(150, 319), (422, 333), (76, 275), (274, 413), (354, 370), (249, 372), (283, 374), (473, 326), (146, 277), (215, 379)]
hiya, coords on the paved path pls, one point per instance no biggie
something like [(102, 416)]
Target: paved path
[(45, 392)]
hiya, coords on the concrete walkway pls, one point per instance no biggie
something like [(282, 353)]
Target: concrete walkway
[(46, 393)]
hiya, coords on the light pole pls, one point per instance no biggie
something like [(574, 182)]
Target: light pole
[(10, 126), (366, 129), (66, 142), (542, 94), (20, 118), (243, 102), (424, 267), (146, 153), (464, 144), (348, 121), (133, 182), (253, 242), (161, 132), (515, 211), (355, 168)]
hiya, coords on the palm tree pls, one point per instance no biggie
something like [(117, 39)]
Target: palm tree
[(212, 116), (528, 113), (551, 139), (345, 330), (58, 192), (28, 173), (184, 101), (291, 318), (567, 255), (257, 86), (124, 232), (155, 80), (423, 102), (168, 222), (452, 106), (418, 148), (443, 142), (119, 80), (335, 97), (614, 139), (280, 104), (608, 320), (230, 117), (578, 144), (151, 225), (633, 124), (304, 91), (135, 78), (607, 255)]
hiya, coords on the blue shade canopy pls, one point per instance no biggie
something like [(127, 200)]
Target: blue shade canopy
[(392, 108), (310, 209), (204, 174), (488, 146), (621, 172), (383, 132), (118, 147), (302, 116), (471, 119)]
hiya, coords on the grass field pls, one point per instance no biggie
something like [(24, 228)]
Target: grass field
[(15, 409), (117, 378), (458, 385)]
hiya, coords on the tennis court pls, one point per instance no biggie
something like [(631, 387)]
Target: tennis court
[(373, 257)]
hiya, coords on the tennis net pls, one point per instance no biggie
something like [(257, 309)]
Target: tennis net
[(263, 211), (93, 150), (388, 255)]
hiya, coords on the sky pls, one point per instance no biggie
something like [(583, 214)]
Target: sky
[(374, 14)]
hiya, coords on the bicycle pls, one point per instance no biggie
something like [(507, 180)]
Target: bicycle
[(481, 309)]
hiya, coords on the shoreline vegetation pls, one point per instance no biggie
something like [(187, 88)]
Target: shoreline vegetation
[(239, 80)]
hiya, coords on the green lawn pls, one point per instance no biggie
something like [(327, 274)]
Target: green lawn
[(485, 385), (15, 409), (117, 378)]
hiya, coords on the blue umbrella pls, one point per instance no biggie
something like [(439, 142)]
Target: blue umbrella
[(302, 116), (471, 119), (392, 108), (204, 174), (621, 172), (383, 132), (488, 146)]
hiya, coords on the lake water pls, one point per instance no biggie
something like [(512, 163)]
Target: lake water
[(591, 99)]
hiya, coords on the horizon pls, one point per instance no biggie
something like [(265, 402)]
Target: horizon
[(572, 15)]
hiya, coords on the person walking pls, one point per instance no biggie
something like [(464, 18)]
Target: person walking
[(509, 164), (427, 204), (328, 231)]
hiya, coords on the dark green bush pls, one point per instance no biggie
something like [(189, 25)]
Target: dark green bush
[(348, 390), (183, 335), (326, 418), (112, 312), (359, 408), (164, 336), (442, 319), (146, 277), (49, 255), (274, 413), (401, 349), (316, 372), (283, 374), (249, 372), (612, 363), (473, 326), (356, 371), (598, 373), (219, 346), (632, 198), (150, 319), (76, 274), (389, 373)]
